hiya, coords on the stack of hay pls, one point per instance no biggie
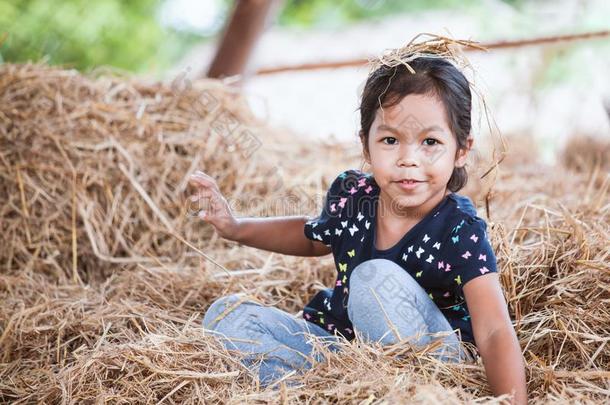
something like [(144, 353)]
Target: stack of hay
[(104, 277)]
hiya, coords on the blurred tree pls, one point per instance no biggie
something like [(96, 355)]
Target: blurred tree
[(244, 26), (340, 12), (84, 34), (130, 36)]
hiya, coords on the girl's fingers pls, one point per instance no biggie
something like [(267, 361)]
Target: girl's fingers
[(199, 181), (201, 194), (201, 175), (195, 197), (206, 188)]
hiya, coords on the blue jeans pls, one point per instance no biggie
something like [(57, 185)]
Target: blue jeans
[(385, 305)]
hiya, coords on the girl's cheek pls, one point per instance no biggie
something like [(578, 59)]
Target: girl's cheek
[(430, 154)]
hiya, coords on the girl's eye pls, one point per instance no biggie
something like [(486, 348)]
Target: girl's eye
[(430, 141), (388, 137)]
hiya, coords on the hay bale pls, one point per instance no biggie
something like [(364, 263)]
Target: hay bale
[(586, 153), (99, 164)]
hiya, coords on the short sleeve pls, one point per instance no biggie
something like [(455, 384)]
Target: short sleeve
[(471, 254), (322, 228), (465, 204)]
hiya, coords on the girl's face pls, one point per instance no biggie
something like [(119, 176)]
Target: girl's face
[(412, 140)]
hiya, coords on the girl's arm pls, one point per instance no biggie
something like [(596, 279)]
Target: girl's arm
[(495, 337), (276, 234)]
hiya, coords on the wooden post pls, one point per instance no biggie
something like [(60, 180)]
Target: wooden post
[(248, 21)]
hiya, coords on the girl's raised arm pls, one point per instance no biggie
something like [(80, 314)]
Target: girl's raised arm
[(279, 234), (283, 235)]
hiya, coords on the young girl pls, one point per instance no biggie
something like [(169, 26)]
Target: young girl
[(413, 258)]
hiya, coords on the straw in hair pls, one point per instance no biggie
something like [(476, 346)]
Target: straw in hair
[(436, 46)]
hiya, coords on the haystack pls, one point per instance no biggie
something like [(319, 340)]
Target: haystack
[(105, 277)]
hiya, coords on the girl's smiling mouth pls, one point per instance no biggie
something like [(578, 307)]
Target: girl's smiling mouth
[(408, 184)]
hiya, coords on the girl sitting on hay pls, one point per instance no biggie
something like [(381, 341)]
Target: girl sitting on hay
[(413, 259)]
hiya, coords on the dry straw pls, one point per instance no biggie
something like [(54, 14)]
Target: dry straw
[(436, 46), (104, 279)]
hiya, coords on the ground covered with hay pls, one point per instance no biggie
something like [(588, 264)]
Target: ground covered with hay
[(104, 276)]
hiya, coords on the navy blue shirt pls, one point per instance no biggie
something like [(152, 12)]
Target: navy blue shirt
[(442, 252)]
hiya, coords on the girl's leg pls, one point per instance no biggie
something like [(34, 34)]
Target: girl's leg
[(278, 336), (385, 301)]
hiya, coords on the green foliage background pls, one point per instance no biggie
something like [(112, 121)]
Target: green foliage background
[(85, 34), (128, 35), (323, 13)]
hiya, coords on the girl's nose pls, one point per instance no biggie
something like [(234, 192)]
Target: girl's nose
[(407, 157)]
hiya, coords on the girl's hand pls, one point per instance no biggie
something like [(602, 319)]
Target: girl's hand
[(219, 213)]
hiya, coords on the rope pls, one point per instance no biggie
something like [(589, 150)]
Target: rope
[(491, 45)]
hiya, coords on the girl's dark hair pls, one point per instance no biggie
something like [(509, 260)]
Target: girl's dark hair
[(435, 76)]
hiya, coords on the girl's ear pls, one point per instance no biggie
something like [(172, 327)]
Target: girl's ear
[(462, 153), (367, 157), (365, 149)]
